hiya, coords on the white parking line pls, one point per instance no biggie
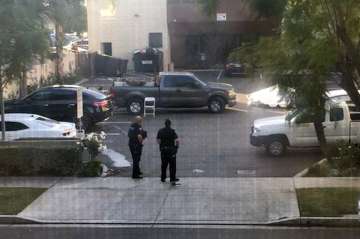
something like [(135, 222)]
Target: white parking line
[(219, 76), (121, 130), (113, 134), (115, 122), (239, 110)]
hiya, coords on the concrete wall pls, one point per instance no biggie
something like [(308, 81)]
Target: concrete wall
[(128, 27)]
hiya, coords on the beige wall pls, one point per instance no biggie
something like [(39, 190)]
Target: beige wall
[(45, 70), (129, 27)]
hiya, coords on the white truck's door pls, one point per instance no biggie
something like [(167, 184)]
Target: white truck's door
[(336, 125), (303, 131)]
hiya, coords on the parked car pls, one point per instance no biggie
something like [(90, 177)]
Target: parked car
[(59, 103), (341, 122), (234, 68), (175, 90), (29, 126)]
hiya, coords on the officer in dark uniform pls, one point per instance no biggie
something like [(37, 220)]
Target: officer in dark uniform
[(136, 138), (169, 144)]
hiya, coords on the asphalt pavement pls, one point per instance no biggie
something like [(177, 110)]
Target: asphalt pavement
[(212, 145), (208, 232)]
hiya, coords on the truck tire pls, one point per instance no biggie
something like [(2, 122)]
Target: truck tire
[(276, 147), (216, 105), (135, 106)]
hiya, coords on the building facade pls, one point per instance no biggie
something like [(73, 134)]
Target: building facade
[(120, 27), (198, 40)]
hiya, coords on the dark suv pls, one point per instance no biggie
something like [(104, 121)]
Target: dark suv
[(59, 103)]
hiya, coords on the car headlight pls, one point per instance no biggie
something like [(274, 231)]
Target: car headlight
[(232, 93), (255, 130)]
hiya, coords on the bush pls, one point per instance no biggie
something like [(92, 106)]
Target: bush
[(91, 169), (40, 162), (94, 143), (344, 160), (318, 170)]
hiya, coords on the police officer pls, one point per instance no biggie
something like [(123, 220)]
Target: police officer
[(136, 138), (169, 144)]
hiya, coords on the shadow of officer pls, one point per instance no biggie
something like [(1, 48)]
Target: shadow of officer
[(169, 144)]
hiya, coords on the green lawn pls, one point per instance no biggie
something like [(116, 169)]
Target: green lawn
[(14, 200), (328, 202)]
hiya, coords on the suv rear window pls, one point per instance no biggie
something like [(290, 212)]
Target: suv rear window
[(92, 94)]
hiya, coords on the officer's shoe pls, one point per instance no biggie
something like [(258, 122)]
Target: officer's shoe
[(137, 177)]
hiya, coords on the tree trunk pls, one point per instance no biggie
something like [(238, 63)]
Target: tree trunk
[(320, 133), (348, 84), (59, 53), (23, 84), (2, 106)]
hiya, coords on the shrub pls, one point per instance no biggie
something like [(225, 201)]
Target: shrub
[(344, 160), (91, 169), (40, 162), (94, 143)]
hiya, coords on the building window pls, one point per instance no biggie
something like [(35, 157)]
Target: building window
[(106, 48), (155, 40)]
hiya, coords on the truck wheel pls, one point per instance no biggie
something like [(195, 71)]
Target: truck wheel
[(276, 147), (216, 105), (135, 106)]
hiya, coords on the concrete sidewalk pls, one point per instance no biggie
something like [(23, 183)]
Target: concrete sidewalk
[(148, 201), (219, 201)]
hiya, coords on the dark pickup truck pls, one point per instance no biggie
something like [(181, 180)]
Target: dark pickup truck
[(175, 90)]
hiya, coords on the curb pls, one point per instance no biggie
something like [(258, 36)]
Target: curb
[(353, 221), (13, 219), (305, 171)]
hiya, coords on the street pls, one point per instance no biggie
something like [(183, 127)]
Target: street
[(178, 232), (212, 145)]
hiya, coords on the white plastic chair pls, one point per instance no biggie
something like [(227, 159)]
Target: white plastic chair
[(149, 106)]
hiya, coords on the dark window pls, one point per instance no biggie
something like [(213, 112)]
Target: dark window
[(40, 96), (13, 126), (179, 82), (305, 117), (155, 40), (93, 95), (336, 114), (355, 116), (106, 48), (61, 94)]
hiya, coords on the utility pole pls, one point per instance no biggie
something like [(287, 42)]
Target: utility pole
[(2, 107)]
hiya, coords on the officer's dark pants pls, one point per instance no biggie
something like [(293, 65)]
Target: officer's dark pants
[(168, 159), (136, 156)]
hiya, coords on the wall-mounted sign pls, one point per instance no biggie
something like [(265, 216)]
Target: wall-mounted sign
[(221, 17)]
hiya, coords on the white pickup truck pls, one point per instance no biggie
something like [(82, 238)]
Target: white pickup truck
[(341, 122)]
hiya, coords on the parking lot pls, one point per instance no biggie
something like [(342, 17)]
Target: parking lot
[(212, 145)]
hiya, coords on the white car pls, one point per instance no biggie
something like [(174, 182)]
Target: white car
[(271, 97), (29, 126)]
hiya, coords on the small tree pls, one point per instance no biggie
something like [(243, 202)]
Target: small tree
[(66, 15), (22, 39)]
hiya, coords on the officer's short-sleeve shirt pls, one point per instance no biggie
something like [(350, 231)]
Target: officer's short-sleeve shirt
[(133, 134), (167, 137)]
